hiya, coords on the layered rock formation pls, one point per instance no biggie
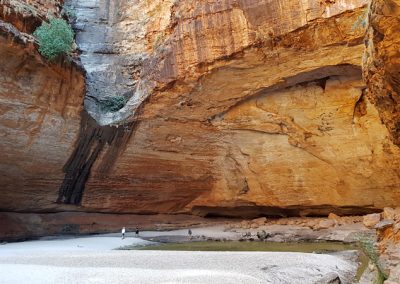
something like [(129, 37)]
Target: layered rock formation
[(382, 62), (251, 119), (27, 15), (40, 108), (247, 108), (388, 231)]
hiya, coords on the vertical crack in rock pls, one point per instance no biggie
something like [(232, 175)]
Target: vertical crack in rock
[(113, 67), (110, 71), (93, 140)]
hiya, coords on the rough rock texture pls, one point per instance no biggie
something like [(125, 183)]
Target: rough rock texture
[(27, 15), (249, 108), (162, 42), (253, 116), (371, 220), (382, 63), (110, 36), (40, 107), (389, 244), (19, 226)]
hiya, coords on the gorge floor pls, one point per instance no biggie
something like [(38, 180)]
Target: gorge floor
[(88, 259)]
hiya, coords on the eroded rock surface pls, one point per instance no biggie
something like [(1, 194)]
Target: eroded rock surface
[(276, 125), (40, 108), (27, 15), (248, 108), (389, 244), (382, 62)]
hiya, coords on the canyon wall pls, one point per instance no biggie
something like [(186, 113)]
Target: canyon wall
[(236, 108), (40, 109), (381, 62), (252, 113)]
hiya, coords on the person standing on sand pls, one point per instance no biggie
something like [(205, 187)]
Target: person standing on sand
[(123, 232), (190, 234), (137, 231)]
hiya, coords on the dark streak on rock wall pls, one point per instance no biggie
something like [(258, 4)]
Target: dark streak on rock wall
[(93, 140)]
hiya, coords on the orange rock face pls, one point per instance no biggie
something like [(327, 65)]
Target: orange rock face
[(382, 63), (389, 243), (27, 15), (249, 108), (40, 107), (275, 124)]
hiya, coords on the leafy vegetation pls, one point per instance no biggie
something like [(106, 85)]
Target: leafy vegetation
[(113, 104), (55, 38), (367, 245)]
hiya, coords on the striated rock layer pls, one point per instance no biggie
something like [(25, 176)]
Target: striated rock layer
[(40, 109), (382, 62), (21, 226), (247, 108), (252, 115), (27, 15)]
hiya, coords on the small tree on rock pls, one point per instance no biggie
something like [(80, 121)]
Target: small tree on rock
[(55, 38)]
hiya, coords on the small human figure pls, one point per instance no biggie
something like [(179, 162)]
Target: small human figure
[(123, 232), (190, 234), (137, 232)]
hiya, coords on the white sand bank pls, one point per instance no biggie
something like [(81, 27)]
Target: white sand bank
[(172, 267), (92, 260), (93, 243)]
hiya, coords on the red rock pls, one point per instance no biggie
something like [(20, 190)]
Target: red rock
[(381, 63), (259, 221), (246, 115), (333, 216), (326, 224)]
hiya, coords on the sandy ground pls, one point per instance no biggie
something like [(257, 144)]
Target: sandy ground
[(68, 245), (92, 260)]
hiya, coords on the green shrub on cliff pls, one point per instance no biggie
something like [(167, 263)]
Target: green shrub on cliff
[(55, 38), (113, 104)]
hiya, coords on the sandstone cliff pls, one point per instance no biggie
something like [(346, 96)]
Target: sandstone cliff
[(246, 108), (40, 108), (382, 62)]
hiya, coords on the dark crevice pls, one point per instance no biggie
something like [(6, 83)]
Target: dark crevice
[(254, 211), (322, 82), (318, 76), (93, 140)]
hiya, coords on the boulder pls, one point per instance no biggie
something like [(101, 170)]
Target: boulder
[(262, 235), (371, 220), (260, 221), (326, 224), (389, 213), (333, 216), (384, 224)]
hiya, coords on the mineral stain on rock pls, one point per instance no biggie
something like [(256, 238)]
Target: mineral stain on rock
[(245, 103), (93, 140)]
